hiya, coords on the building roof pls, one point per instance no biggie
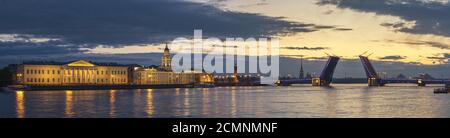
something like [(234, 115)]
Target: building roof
[(74, 63)]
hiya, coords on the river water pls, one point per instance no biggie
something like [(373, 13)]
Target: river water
[(341, 100)]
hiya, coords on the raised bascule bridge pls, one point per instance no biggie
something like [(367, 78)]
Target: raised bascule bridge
[(325, 79), (373, 79)]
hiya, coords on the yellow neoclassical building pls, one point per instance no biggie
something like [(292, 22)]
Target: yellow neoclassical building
[(78, 72), (82, 72), (164, 75), (152, 76)]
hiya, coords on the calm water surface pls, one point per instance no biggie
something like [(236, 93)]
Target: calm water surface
[(291, 102)]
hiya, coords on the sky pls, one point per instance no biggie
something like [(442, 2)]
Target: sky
[(401, 36)]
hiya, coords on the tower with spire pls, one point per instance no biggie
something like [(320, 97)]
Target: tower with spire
[(302, 73), (235, 74), (166, 60)]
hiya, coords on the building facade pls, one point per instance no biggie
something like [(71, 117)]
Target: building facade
[(154, 76), (82, 72), (164, 75), (79, 72), (166, 60)]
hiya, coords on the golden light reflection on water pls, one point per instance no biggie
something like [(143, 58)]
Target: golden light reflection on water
[(112, 105), (187, 105), (233, 103), (331, 104), (177, 91), (205, 99), (20, 104), (150, 108), (68, 110)]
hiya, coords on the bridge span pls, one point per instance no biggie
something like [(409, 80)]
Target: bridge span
[(325, 79), (373, 79)]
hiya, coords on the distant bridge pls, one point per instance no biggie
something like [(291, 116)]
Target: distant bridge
[(374, 80), (325, 79)]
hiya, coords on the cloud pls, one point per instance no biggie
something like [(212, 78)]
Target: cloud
[(430, 17), (116, 22), (441, 58), (396, 25), (307, 48), (393, 57), (34, 28), (420, 43), (343, 29), (32, 50)]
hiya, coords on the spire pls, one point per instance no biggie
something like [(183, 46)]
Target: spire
[(166, 60), (301, 74), (167, 48)]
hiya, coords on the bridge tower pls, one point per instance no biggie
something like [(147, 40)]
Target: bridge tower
[(372, 77), (326, 77)]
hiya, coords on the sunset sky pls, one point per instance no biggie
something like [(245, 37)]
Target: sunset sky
[(408, 32)]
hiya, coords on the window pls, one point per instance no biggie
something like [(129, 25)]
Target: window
[(58, 71), (48, 71), (53, 71), (28, 71)]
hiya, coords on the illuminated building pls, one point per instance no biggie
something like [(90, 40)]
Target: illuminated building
[(78, 72), (166, 60), (164, 75), (82, 72)]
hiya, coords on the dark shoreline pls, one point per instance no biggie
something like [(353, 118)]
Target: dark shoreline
[(103, 87)]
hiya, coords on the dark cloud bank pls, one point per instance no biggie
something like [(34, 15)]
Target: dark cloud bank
[(431, 17), (88, 23), (116, 22)]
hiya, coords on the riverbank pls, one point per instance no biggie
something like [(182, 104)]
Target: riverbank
[(96, 87)]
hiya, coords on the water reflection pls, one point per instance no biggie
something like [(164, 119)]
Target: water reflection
[(112, 105), (233, 103), (331, 104), (68, 110), (20, 104), (149, 100), (340, 101), (205, 99), (187, 105)]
